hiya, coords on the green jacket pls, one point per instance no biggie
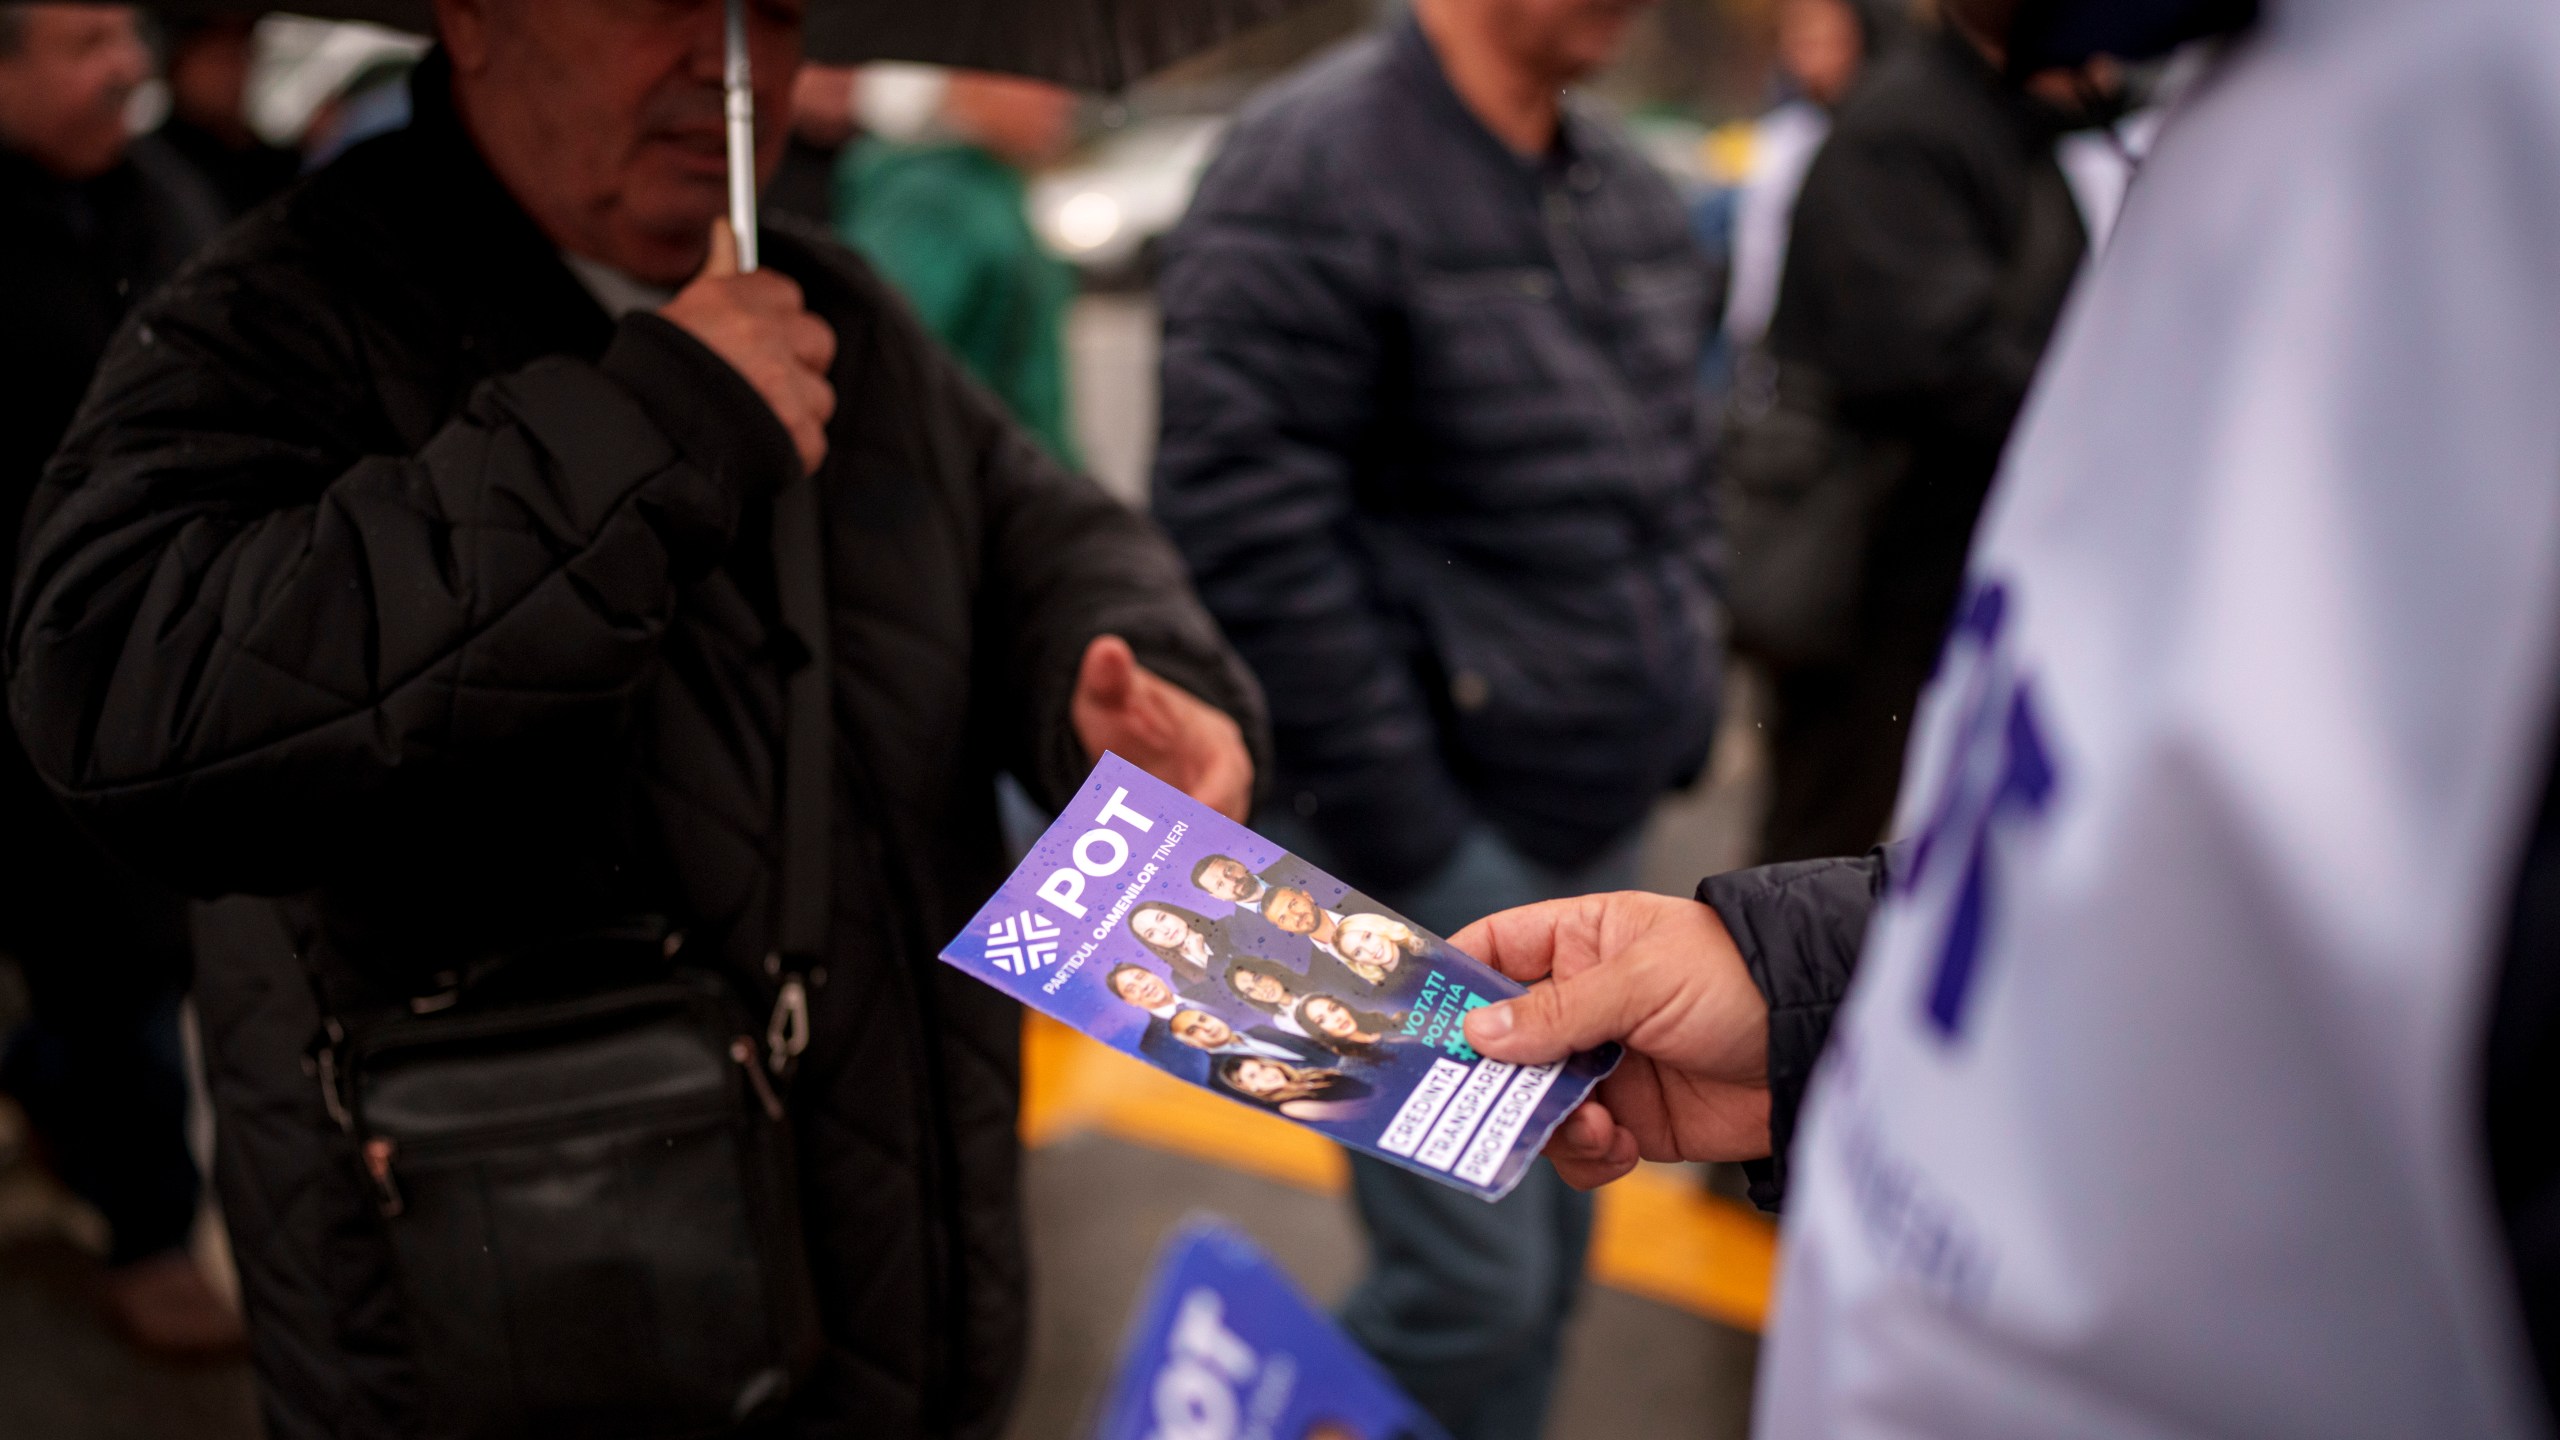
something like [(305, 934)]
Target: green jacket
[(946, 224)]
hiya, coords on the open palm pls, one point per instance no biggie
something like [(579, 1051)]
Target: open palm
[(1123, 707)]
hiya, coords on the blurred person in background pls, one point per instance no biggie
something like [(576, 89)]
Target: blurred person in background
[(1823, 45), (823, 121), (373, 100), (208, 120), (943, 216), (1932, 246), (415, 559), (91, 221), (326, 86), (1432, 444)]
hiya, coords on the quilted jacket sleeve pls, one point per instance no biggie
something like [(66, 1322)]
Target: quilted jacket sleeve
[(1061, 562), (1800, 927), (1275, 356), (1067, 563), (230, 638)]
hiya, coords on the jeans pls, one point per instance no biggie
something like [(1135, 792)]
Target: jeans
[(1465, 1303)]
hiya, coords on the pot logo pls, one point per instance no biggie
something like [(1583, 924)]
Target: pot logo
[(1022, 943), (1999, 778)]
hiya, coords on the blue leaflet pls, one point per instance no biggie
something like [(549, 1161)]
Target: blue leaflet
[(1227, 1349), (1169, 932)]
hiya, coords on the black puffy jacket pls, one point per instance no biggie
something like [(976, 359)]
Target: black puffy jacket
[(1929, 254), (1799, 927), (384, 573), (1433, 446)]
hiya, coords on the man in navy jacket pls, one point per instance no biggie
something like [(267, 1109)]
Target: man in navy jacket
[(1432, 449)]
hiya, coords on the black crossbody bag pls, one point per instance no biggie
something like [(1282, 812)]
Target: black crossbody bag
[(589, 1187)]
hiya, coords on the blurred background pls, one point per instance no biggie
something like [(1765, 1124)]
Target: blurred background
[(1665, 1344)]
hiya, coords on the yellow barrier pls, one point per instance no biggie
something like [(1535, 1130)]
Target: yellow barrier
[(1657, 1235)]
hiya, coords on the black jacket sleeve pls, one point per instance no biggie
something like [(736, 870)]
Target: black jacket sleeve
[(238, 623), (1800, 927), (1062, 562), (1275, 356), (1067, 564)]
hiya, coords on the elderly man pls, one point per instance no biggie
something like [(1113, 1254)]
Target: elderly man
[(415, 558)]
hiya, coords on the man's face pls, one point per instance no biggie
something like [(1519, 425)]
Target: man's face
[(1225, 877), (1201, 1030), (1291, 910), (63, 91), (603, 117), (1142, 988), (1562, 40)]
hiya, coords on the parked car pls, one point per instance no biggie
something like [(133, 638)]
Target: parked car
[(1107, 211)]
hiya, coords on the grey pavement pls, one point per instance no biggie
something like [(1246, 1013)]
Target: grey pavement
[(1100, 1209)]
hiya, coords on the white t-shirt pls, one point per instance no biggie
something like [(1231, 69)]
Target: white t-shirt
[(2155, 1109)]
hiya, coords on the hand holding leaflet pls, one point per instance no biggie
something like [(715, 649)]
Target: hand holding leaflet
[(1167, 931), (1660, 974), (1226, 1348)]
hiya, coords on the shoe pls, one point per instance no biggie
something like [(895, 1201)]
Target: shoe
[(165, 1307)]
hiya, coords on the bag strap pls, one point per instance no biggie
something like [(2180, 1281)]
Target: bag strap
[(804, 900)]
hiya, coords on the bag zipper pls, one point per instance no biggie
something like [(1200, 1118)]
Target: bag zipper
[(379, 1152), (787, 1033), (743, 1051)]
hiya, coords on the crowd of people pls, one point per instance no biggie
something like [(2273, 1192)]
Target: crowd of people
[(445, 581)]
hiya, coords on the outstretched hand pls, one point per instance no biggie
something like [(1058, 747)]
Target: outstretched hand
[(1163, 729), (1663, 977)]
